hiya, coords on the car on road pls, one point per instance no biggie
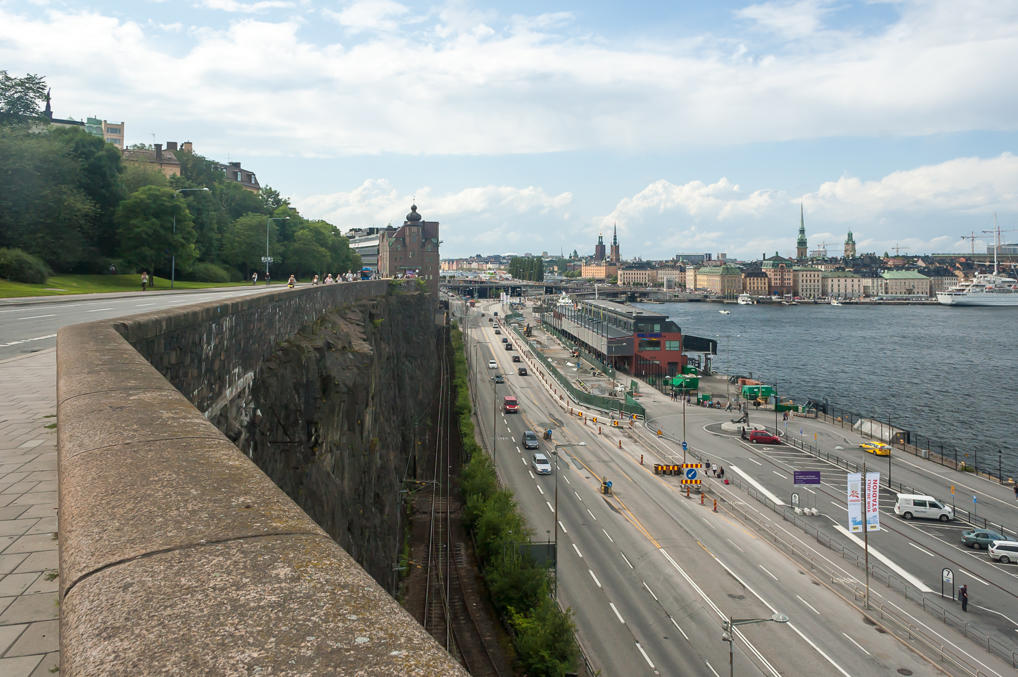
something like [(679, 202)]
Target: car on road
[(1004, 552), (530, 440), (508, 346), (498, 331), (516, 358), (763, 437), (920, 505), (522, 371), (492, 364), (505, 340), (510, 405), (876, 448), (541, 464), (980, 539), (498, 378)]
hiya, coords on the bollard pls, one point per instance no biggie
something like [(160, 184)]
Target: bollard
[(687, 491), (641, 459), (702, 496), (620, 444), (598, 430), (715, 505), (659, 432)]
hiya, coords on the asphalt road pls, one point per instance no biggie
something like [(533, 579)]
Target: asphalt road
[(32, 326), (649, 574)]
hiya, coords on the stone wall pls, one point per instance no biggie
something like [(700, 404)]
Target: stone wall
[(177, 554)]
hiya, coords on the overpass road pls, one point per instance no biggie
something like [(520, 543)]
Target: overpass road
[(650, 574)]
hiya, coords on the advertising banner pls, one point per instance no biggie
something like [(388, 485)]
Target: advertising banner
[(872, 501), (854, 502)]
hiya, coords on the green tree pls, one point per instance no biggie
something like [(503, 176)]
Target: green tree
[(135, 176), (235, 199), (197, 170), (544, 639), (21, 98), (271, 199), (148, 237), (244, 243)]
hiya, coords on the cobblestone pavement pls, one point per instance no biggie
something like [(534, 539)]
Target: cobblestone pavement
[(29, 610)]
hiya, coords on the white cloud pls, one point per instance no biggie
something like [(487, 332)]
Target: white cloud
[(246, 7), (791, 20), (718, 201), (365, 15)]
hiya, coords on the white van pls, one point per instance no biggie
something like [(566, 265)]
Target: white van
[(919, 505)]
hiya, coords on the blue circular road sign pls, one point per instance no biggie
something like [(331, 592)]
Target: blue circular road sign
[(683, 445), (690, 473)]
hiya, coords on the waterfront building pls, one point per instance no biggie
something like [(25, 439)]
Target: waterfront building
[(779, 275), (411, 249), (800, 243), (690, 281), (693, 258), (364, 242), (724, 281), (904, 283), (849, 246), (807, 282), (614, 255), (841, 284), (629, 339), (639, 276), (599, 255), (755, 283), (670, 278), (598, 271)]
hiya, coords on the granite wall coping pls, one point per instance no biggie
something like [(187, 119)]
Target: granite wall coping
[(178, 555)]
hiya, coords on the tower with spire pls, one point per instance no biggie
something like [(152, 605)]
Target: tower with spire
[(800, 243), (849, 246), (599, 249), (614, 256)]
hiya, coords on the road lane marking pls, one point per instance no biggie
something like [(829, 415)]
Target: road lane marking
[(562, 527), (142, 305), (756, 485), (524, 462), (591, 572), (577, 495), (531, 475), (645, 656), (885, 559), (837, 505), (540, 489), (566, 478), (781, 475), (627, 559), (754, 461), (734, 544), (711, 668), (647, 587), (98, 310), (678, 628), (762, 568), (810, 606), (37, 317), (617, 614), (974, 577), (606, 534), (28, 340), (857, 644), (922, 550), (550, 507), (591, 514), (578, 553)]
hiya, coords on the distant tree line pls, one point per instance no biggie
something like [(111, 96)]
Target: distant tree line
[(527, 268), (67, 199)]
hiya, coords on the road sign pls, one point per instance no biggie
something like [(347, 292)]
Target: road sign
[(952, 490), (266, 259), (948, 575), (795, 500), (806, 477), (690, 473), (683, 445)]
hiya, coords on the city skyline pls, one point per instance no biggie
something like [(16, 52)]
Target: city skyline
[(530, 127)]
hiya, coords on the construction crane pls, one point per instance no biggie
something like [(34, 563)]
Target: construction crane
[(973, 237)]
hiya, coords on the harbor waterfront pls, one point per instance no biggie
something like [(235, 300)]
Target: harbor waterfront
[(943, 372)]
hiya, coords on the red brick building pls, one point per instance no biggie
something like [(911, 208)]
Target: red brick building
[(411, 250)]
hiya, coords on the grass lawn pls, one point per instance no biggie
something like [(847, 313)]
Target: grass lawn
[(58, 285)]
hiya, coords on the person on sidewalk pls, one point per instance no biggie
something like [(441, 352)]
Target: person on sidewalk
[(291, 282), (963, 595), (1016, 491), (254, 278), (144, 280)]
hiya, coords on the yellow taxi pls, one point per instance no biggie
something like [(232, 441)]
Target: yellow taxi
[(876, 448)]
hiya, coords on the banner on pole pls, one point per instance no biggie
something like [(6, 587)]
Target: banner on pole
[(854, 502), (872, 501)]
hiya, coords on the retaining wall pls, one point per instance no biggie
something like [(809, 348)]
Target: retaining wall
[(177, 554)]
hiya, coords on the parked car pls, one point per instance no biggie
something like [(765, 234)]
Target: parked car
[(541, 464), (492, 364), (516, 358), (876, 448), (530, 440), (920, 505), (498, 378), (510, 405), (522, 371), (980, 538), (1004, 552), (763, 437)]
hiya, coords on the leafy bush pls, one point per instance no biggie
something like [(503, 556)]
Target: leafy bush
[(20, 266), (207, 272)]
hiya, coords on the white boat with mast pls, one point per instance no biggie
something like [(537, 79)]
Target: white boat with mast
[(745, 300), (985, 289)]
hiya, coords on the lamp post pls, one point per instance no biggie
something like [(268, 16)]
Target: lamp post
[(555, 525), (267, 258), (173, 254), (729, 633)]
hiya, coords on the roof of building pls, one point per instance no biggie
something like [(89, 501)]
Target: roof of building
[(776, 261), (149, 155), (622, 309), (839, 273), (413, 216), (902, 275), (719, 270)]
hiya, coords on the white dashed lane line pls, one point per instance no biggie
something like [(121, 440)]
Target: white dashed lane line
[(591, 514), (678, 628), (922, 550), (608, 536), (763, 569), (645, 656), (550, 506), (808, 605), (617, 614), (597, 582), (627, 560), (578, 553)]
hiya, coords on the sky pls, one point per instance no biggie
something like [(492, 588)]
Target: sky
[(527, 126)]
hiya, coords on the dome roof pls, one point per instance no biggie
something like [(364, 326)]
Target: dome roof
[(413, 216)]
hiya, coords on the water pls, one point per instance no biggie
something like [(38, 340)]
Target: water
[(945, 373)]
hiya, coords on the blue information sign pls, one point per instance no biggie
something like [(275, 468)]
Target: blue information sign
[(683, 445), (806, 477), (690, 473)]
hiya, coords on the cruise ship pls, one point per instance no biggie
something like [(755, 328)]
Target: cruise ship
[(985, 289)]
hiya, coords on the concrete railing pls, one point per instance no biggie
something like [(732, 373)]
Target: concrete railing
[(177, 554)]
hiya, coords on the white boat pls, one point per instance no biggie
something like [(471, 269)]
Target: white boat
[(985, 289), (745, 300), (835, 302), (725, 312)]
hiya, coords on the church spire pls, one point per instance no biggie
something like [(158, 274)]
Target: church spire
[(48, 112), (800, 243)]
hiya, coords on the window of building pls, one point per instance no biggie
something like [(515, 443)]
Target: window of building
[(672, 345), (650, 344)]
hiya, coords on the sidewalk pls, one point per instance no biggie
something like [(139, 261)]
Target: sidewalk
[(29, 608), (156, 291)]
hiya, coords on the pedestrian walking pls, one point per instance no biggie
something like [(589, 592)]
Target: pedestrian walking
[(144, 280), (314, 280), (254, 278), (963, 595), (291, 282), (1016, 491)]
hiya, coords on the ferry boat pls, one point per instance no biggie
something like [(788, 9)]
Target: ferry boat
[(745, 300), (985, 289), (725, 312), (835, 302)]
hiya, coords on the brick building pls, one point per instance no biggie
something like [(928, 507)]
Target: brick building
[(412, 249)]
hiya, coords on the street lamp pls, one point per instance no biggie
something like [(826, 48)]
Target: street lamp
[(173, 254), (268, 259), (729, 633), (555, 525)]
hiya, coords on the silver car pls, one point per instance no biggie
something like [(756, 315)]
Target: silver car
[(541, 464)]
